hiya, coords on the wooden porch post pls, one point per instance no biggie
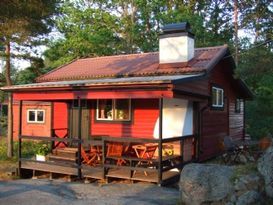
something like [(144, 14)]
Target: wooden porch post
[(52, 126), (19, 138), (160, 142), (79, 138)]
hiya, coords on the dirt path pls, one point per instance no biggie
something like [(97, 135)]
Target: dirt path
[(43, 191)]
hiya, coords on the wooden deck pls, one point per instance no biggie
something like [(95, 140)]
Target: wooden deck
[(97, 172), (140, 175), (69, 169)]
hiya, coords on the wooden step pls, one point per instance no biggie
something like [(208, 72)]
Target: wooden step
[(53, 157), (66, 152)]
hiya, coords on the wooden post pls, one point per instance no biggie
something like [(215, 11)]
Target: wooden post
[(79, 138), (160, 142), (20, 139), (52, 147), (197, 115), (182, 151), (103, 157)]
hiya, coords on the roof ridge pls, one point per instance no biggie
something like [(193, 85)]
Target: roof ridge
[(118, 56)]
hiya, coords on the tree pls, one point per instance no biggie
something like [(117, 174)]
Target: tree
[(22, 23), (98, 28)]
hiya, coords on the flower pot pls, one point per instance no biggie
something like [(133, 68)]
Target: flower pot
[(40, 158)]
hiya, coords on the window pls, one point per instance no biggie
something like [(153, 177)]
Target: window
[(35, 116), (114, 110), (238, 105), (217, 97)]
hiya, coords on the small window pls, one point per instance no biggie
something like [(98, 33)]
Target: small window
[(114, 110), (217, 97), (238, 105), (36, 116)]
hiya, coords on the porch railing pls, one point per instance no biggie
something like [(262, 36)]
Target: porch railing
[(161, 163)]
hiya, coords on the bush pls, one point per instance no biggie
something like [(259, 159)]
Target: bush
[(43, 149), (3, 125)]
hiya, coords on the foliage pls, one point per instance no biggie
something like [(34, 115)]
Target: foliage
[(42, 149), (244, 169), (29, 149), (23, 24), (256, 69), (3, 125)]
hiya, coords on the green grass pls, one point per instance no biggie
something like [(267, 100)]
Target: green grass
[(245, 169)]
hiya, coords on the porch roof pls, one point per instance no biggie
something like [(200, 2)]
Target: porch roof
[(104, 81)]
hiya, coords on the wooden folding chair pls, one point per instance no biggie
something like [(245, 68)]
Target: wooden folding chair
[(88, 158), (115, 149)]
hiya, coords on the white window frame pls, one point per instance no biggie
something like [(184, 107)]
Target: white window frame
[(113, 119), (35, 116), (238, 103), (218, 91)]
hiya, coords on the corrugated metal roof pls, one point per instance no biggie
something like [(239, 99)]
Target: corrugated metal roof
[(104, 81)]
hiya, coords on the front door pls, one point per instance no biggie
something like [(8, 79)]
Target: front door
[(74, 120)]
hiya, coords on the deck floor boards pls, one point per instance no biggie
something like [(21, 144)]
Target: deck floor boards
[(97, 172)]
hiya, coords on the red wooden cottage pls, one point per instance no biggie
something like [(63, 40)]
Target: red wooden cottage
[(149, 113)]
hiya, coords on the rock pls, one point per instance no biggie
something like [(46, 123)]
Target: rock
[(204, 183), (265, 167), (248, 198), (248, 182), (242, 159)]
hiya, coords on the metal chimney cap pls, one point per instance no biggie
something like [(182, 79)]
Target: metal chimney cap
[(176, 28)]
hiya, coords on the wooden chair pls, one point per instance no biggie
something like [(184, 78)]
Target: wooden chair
[(88, 158), (115, 150), (230, 151), (145, 151)]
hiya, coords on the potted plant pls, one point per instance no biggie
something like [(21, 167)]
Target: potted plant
[(120, 114), (41, 152)]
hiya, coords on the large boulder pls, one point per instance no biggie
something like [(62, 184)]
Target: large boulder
[(205, 183), (249, 198), (265, 167)]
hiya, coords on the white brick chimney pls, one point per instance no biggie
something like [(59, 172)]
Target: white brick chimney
[(176, 44)]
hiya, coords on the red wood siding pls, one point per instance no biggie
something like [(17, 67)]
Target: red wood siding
[(33, 129), (219, 123), (60, 121), (144, 116)]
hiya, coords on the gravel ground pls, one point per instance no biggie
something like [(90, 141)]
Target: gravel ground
[(43, 191)]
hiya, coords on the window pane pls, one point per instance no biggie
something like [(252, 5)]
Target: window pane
[(219, 97), (40, 116), (214, 96), (31, 116), (122, 109), (105, 109)]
